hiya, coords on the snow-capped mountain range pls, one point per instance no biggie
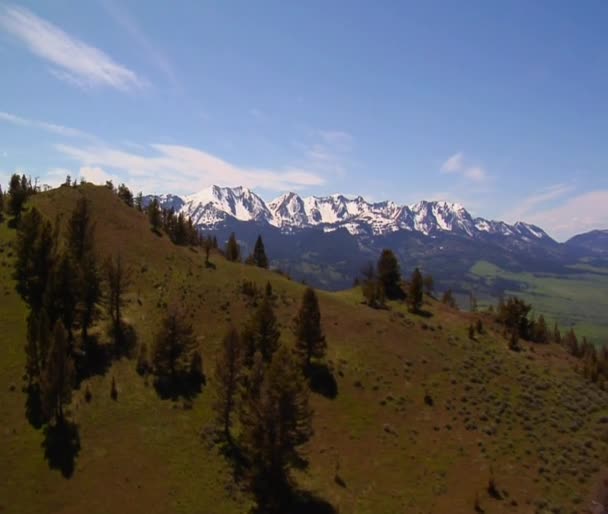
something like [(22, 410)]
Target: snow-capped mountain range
[(214, 206)]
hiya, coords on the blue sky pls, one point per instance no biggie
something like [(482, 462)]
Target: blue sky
[(502, 107)]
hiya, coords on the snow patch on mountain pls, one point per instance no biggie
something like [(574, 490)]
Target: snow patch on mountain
[(215, 205)]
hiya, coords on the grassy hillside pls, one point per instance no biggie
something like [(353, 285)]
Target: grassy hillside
[(578, 300), (526, 418)]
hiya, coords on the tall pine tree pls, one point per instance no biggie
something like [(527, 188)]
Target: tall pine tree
[(233, 250), (259, 254), (310, 340), (389, 274), (274, 430), (415, 291), (228, 369)]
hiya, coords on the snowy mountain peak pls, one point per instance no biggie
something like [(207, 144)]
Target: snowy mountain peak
[(216, 205)]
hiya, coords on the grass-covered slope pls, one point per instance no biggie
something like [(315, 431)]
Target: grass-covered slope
[(421, 420)]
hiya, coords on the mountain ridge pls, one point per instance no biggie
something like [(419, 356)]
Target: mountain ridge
[(215, 205)]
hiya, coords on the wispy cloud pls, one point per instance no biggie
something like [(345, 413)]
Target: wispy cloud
[(581, 213), (531, 203), (71, 59), (456, 165), (118, 12), (60, 130), (183, 169)]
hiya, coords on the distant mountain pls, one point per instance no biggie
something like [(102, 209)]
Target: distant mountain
[(327, 239), (595, 242), (215, 206)]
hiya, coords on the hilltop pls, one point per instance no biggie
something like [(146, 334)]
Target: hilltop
[(424, 418)]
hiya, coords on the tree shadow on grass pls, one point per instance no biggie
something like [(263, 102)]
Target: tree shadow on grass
[(125, 339), (422, 313), (95, 359), (186, 387), (295, 501), (322, 380), (33, 406), (61, 446)]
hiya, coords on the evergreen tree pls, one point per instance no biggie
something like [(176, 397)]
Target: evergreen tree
[(35, 257), (80, 236), (389, 274), (259, 254), (233, 250), (371, 287), (310, 340), (261, 333), (541, 332), (117, 280), (571, 343), (124, 193), (154, 215), (228, 369), (17, 195), (80, 230), (1, 205), (58, 377), (90, 295), (275, 429), (448, 299), (139, 202), (557, 336), (62, 295), (174, 347), (415, 295)]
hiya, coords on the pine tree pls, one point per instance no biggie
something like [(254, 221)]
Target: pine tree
[(415, 295), (80, 236), (174, 346), (228, 369), (389, 274), (448, 299), (124, 193), (154, 215), (259, 254), (35, 258), (371, 287), (310, 340), (557, 336), (261, 333), (541, 333), (139, 202), (61, 297), (58, 377), (117, 281), (233, 250), (80, 230), (17, 196), (274, 430)]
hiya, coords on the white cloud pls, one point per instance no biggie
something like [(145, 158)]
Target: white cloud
[(43, 125), (581, 213), (96, 175), (184, 169), (72, 59), (456, 165)]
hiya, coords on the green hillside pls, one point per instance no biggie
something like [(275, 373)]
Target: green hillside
[(423, 418)]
